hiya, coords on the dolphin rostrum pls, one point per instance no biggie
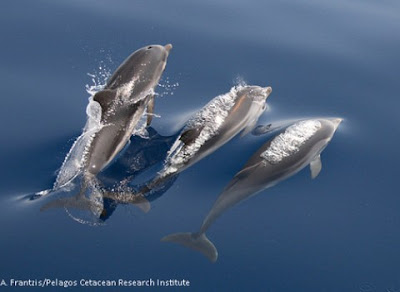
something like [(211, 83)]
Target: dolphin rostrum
[(215, 124), (281, 157), (114, 113)]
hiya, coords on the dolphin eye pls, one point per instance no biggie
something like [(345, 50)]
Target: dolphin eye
[(149, 47)]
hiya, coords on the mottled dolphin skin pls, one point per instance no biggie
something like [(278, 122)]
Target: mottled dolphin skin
[(215, 124), (281, 157), (114, 112)]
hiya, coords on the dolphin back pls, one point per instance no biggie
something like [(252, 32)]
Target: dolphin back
[(195, 241)]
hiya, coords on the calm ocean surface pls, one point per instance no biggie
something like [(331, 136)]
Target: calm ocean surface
[(339, 232)]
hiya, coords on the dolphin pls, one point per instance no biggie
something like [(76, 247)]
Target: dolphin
[(284, 155), (113, 116), (139, 156), (214, 125), (114, 113)]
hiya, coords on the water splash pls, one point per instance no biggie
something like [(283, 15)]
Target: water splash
[(100, 76), (168, 88), (141, 128), (74, 160), (239, 81)]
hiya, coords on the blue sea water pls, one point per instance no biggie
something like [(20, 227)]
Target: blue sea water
[(338, 232)]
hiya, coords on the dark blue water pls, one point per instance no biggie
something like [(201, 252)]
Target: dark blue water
[(339, 232)]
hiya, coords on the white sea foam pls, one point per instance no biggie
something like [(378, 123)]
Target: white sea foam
[(98, 81), (93, 112), (100, 76), (289, 142), (125, 90), (74, 160), (141, 128), (167, 86)]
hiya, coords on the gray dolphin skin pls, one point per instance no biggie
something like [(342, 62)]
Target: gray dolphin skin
[(281, 157), (123, 101), (214, 125), (114, 113)]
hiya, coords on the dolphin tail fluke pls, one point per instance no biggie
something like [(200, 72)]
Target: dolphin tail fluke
[(142, 203), (136, 199), (78, 201), (196, 241)]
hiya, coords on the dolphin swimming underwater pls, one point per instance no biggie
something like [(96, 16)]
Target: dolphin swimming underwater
[(281, 157), (141, 154), (114, 113), (214, 125)]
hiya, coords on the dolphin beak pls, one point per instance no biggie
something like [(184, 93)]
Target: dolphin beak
[(168, 47), (268, 91), (336, 122)]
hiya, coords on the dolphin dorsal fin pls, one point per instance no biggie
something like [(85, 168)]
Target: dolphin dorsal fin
[(315, 166), (105, 98), (150, 110), (190, 135)]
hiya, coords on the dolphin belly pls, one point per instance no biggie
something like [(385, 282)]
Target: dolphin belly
[(112, 138), (105, 146)]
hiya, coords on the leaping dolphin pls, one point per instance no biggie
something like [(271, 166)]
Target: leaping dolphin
[(114, 113), (281, 157), (214, 125)]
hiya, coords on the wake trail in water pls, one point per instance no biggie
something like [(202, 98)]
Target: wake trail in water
[(74, 160)]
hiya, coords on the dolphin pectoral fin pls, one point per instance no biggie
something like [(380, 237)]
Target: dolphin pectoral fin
[(105, 98), (198, 242), (262, 129), (315, 166), (189, 136), (150, 110), (269, 128), (241, 175), (250, 126), (246, 171), (272, 127)]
